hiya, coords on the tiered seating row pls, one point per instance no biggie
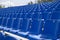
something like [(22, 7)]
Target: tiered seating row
[(32, 21)]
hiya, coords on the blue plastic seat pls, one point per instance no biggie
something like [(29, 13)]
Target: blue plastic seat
[(18, 16), (29, 15), (42, 8), (35, 29), (23, 15), (15, 24), (58, 6), (23, 27), (50, 29), (35, 15), (9, 23), (55, 15), (15, 15), (4, 23), (11, 15), (46, 15)]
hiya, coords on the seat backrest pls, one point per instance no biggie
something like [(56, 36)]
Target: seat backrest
[(55, 15), (23, 25), (35, 27), (4, 22), (9, 23), (15, 24), (29, 15), (50, 28), (35, 15), (46, 15), (15, 15)]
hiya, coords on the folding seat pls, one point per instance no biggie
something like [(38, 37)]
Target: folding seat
[(19, 15), (58, 6), (23, 15), (23, 27), (15, 15), (35, 9), (35, 24), (35, 29), (46, 15), (29, 15), (35, 15), (11, 15), (57, 9), (42, 7), (15, 24), (50, 29), (55, 15), (1, 20), (7, 15), (9, 24), (1, 26), (39, 8), (4, 22), (34, 20)]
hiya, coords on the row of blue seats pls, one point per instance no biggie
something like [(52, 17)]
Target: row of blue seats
[(31, 28), (28, 8), (13, 23), (35, 32), (38, 22), (33, 15)]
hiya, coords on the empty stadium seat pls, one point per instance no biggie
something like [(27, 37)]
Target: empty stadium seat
[(15, 24), (50, 29), (9, 24), (55, 15), (23, 27), (35, 29)]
